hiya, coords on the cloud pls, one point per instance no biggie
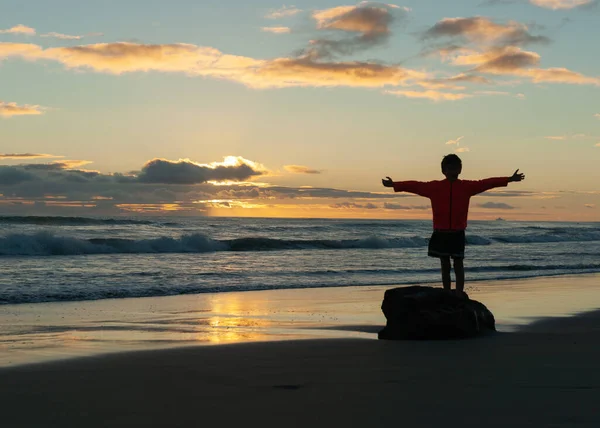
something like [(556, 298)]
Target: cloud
[(493, 93), (60, 188), (354, 205), (185, 171), (597, 145), (514, 61), (496, 205), (453, 83), (10, 176), (370, 21), (125, 57), (430, 95), (560, 4), (24, 50), (482, 30), (69, 164), (300, 169), (308, 72), (19, 29), (111, 194), (26, 156), (12, 109), (494, 48), (457, 141), (392, 206), (496, 2), (279, 192), (597, 115), (496, 59), (567, 137), (364, 18), (61, 36), (276, 30), (559, 75), (283, 12), (590, 205)]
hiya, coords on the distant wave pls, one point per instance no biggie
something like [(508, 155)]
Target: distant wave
[(49, 244), (69, 221)]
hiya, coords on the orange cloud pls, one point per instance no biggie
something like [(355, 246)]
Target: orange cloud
[(62, 36), (307, 72), (360, 19), (12, 109), (19, 29), (26, 156), (484, 31), (495, 59), (511, 60), (23, 50), (71, 164), (457, 141), (372, 22), (124, 57), (300, 169), (560, 4), (559, 75), (284, 12), (567, 137), (276, 30), (430, 95)]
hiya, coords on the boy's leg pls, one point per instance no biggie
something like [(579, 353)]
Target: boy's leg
[(446, 280), (459, 271)]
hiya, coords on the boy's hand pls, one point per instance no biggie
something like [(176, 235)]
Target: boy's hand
[(387, 183), (517, 177)]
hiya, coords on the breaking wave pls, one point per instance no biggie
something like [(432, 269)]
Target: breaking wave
[(48, 244)]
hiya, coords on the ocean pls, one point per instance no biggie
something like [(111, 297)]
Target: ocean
[(60, 259)]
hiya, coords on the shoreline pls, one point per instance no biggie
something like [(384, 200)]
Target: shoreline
[(391, 285), (54, 331)]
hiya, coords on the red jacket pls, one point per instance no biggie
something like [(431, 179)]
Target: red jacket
[(450, 199)]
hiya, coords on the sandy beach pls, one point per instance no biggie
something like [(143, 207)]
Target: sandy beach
[(538, 378), (539, 374)]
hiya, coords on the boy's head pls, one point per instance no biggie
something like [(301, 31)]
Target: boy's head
[(451, 166)]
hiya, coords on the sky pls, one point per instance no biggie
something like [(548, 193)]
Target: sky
[(264, 109)]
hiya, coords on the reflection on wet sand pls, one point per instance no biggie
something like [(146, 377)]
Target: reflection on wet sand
[(38, 332)]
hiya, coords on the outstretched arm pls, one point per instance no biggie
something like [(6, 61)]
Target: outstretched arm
[(490, 183), (417, 187)]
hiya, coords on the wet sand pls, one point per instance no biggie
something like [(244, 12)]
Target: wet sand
[(544, 377)]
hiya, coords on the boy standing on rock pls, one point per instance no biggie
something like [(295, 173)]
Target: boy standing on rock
[(450, 205)]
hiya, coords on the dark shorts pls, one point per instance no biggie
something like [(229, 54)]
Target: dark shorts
[(447, 244)]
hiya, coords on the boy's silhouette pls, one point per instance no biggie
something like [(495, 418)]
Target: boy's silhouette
[(450, 205)]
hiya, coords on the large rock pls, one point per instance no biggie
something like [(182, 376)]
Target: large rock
[(419, 312)]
